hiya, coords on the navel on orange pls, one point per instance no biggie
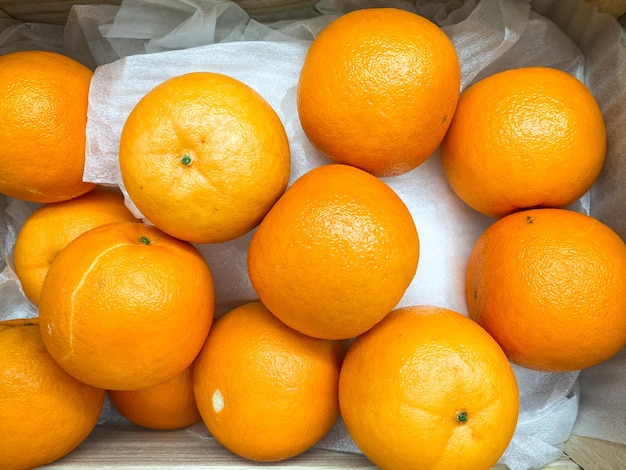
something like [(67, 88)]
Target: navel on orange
[(427, 388), (378, 89), (523, 138), (550, 286), (125, 306), (335, 254), (43, 110), (203, 156)]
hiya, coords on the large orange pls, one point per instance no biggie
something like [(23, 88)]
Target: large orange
[(43, 110), (45, 413), (265, 391), (167, 405), (335, 254), (550, 286), (203, 156), (52, 226), (378, 89), (428, 389), (125, 306), (523, 138)]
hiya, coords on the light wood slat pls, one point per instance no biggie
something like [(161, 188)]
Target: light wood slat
[(126, 446), (596, 454)]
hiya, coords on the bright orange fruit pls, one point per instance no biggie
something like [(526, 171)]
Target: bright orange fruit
[(523, 138), (203, 156), (125, 306), (378, 89), (43, 110), (428, 388), (550, 286), (52, 226), (45, 412), (335, 254), (266, 392)]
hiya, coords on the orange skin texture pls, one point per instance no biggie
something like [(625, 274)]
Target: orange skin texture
[(265, 391), (203, 157), (45, 412), (550, 286), (52, 226), (125, 306), (378, 89), (165, 406), (43, 109), (524, 138), (407, 384), (335, 254)]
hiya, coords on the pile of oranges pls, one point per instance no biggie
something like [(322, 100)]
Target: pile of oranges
[(126, 306)]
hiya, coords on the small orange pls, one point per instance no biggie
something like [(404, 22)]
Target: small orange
[(125, 306), (427, 388), (203, 156), (550, 286), (265, 391), (45, 412), (52, 226), (43, 110), (165, 406), (335, 254), (523, 138), (378, 89)]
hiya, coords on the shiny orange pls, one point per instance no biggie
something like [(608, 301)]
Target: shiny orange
[(52, 226), (165, 406), (523, 138), (125, 306), (335, 254), (378, 89), (550, 286), (203, 156), (46, 413), (43, 110), (427, 388), (265, 391)]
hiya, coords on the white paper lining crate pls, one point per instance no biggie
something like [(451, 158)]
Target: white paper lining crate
[(125, 446)]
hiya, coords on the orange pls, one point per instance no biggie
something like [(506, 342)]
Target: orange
[(43, 110), (125, 306), (203, 156), (523, 138), (550, 286), (335, 254), (427, 388), (265, 391), (378, 89), (52, 226), (168, 405), (46, 413)]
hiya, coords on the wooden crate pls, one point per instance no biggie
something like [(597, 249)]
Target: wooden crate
[(128, 446)]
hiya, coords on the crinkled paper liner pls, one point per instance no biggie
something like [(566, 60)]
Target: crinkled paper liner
[(143, 42)]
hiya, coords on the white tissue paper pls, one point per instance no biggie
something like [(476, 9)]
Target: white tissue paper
[(141, 43)]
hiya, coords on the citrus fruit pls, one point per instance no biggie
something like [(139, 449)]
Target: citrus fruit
[(125, 306), (45, 412), (335, 254), (203, 156), (43, 110), (378, 89), (428, 388), (168, 405), (52, 226), (265, 391), (523, 138), (550, 287)]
